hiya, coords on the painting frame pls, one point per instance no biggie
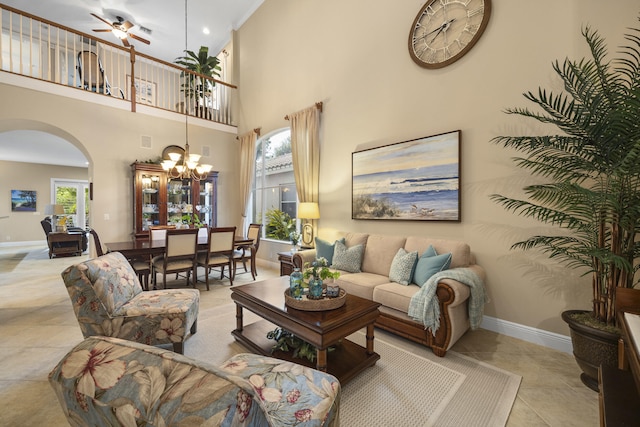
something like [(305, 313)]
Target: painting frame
[(414, 180), (145, 91), (24, 200)]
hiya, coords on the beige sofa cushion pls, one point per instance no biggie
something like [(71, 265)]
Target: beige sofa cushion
[(380, 252), (398, 297), (352, 239), (460, 251), (361, 284)]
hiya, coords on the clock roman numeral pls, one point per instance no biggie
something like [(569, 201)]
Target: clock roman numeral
[(478, 11)]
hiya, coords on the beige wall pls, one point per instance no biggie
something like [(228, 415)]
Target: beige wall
[(110, 137), (25, 226), (353, 57)]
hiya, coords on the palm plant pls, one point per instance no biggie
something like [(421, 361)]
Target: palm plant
[(199, 63), (592, 165), (280, 225)]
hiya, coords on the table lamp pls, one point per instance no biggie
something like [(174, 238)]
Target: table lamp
[(308, 210), (55, 211)]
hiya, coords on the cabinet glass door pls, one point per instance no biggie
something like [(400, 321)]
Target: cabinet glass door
[(150, 200), (205, 205), (179, 203)]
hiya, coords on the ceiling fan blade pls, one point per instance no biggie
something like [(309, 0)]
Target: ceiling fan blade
[(102, 19), (125, 42), (140, 39), (102, 31), (126, 25)]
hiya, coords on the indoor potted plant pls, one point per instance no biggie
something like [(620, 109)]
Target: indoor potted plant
[(592, 171), (193, 87)]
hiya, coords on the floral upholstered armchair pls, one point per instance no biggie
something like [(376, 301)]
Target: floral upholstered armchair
[(108, 381), (108, 300)]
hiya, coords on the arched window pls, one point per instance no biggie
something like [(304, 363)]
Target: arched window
[(275, 200)]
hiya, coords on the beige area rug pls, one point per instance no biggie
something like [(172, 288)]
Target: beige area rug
[(408, 386)]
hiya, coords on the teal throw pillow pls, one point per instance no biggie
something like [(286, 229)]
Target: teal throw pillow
[(347, 259), (402, 266), (428, 266), (430, 251), (325, 249)]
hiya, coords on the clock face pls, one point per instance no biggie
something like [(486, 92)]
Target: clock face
[(445, 30)]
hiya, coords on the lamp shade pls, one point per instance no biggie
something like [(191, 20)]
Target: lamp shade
[(54, 210), (308, 210)]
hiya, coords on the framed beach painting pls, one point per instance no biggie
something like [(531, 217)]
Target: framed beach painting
[(23, 201), (416, 180)]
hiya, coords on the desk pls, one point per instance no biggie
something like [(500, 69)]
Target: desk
[(149, 248), (619, 397)]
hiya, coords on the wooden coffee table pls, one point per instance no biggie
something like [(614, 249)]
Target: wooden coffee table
[(322, 329)]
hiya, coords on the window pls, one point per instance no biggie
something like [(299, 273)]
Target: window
[(74, 196), (274, 196)]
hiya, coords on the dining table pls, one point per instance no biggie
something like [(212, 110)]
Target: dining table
[(144, 249)]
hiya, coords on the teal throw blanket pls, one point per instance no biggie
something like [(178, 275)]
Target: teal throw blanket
[(424, 306)]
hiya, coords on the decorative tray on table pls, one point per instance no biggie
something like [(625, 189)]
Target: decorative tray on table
[(307, 304)]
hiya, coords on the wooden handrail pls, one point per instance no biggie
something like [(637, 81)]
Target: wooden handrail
[(223, 114)]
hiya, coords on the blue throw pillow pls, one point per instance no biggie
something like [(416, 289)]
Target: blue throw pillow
[(428, 266), (429, 252), (325, 249), (402, 266), (347, 259)]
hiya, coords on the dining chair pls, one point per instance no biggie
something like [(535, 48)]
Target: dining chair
[(141, 267), (158, 232), (220, 247), (248, 252), (181, 249)]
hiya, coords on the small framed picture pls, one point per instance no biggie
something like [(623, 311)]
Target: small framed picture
[(145, 91), (23, 201)]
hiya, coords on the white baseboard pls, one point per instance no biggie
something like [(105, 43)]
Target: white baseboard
[(529, 334), (32, 243)]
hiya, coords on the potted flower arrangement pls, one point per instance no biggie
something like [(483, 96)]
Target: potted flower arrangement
[(294, 236), (316, 273), (592, 169)]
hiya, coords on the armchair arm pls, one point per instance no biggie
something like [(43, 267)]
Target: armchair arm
[(301, 257)]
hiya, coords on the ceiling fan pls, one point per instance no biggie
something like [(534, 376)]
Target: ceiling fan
[(120, 29)]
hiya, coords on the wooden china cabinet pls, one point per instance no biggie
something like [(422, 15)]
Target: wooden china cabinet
[(161, 200)]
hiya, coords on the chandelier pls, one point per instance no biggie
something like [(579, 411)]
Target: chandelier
[(186, 166)]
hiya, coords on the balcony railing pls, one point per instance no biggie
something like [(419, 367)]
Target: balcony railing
[(43, 50)]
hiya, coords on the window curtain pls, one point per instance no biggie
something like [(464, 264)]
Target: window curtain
[(247, 172), (305, 151)]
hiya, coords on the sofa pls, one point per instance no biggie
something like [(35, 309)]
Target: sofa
[(373, 282), (105, 381)]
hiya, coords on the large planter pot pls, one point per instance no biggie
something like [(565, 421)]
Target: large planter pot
[(591, 348)]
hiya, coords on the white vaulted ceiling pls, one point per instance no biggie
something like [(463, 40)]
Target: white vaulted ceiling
[(165, 19)]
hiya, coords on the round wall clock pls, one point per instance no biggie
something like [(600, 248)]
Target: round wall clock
[(445, 30)]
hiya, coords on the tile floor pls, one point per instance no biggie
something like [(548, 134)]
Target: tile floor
[(38, 327)]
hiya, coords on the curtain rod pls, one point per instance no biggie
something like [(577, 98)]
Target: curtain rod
[(256, 130), (318, 106)]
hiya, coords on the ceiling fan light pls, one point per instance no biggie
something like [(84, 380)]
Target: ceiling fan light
[(119, 33)]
